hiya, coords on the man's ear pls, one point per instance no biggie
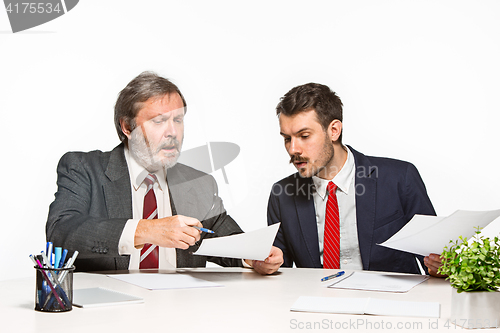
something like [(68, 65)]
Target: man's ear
[(125, 128), (335, 130)]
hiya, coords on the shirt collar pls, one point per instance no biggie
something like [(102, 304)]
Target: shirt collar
[(342, 179), (138, 172)]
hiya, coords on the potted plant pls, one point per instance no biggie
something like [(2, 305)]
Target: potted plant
[(473, 269)]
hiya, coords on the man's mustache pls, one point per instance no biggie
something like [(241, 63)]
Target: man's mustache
[(298, 158), (169, 143)]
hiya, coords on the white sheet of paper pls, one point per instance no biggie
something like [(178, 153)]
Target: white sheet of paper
[(380, 282), (385, 307), (330, 305), (430, 234), (158, 281), (371, 306), (492, 229), (253, 245), (94, 297)]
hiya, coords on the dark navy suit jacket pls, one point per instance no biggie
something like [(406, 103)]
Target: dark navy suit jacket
[(388, 193)]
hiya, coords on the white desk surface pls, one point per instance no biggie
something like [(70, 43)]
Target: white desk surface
[(248, 302)]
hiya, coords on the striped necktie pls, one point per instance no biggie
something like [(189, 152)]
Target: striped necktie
[(331, 244), (149, 253)]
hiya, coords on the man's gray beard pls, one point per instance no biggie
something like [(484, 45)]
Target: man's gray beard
[(145, 157)]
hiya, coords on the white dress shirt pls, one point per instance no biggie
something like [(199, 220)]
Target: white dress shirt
[(167, 256), (350, 256)]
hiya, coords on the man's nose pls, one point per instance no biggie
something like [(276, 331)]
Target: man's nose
[(294, 148), (170, 130)]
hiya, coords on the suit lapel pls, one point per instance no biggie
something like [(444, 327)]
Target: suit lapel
[(183, 194), (366, 190), (306, 214), (117, 193), (184, 201)]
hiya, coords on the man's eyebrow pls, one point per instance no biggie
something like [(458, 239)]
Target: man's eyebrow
[(169, 114), (162, 115), (298, 132)]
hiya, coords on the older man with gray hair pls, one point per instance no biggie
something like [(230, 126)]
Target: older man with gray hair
[(135, 206)]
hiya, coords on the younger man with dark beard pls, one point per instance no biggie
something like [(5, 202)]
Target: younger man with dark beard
[(340, 204)]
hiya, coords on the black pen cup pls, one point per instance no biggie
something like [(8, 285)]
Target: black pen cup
[(54, 289)]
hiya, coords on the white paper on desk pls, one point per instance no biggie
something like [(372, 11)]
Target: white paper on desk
[(430, 234), (158, 281), (370, 306), (330, 305), (93, 297), (385, 307), (253, 245), (396, 283)]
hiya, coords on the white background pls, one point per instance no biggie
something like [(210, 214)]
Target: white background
[(419, 80)]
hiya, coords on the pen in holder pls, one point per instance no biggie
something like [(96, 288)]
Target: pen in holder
[(54, 289)]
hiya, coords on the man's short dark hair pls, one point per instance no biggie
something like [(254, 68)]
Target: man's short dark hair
[(319, 97), (143, 87)]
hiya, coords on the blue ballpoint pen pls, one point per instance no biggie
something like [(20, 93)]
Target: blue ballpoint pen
[(57, 256), (208, 231), (326, 278), (63, 258), (50, 257)]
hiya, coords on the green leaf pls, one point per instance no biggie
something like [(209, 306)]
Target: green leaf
[(472, 264)]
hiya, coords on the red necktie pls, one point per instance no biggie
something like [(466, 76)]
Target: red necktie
[(149, 253), (331, 244)]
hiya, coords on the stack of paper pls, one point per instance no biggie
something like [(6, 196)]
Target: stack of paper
[(157, 281), (371, 306), (380, 282), (430, 234)]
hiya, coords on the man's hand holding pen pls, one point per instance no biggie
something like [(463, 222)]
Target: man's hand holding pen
[(173, 231), (182, 232)]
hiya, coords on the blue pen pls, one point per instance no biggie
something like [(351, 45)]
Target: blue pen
[(57, 256), (63, 258), (326, 278), (208, 231), (50, 258)]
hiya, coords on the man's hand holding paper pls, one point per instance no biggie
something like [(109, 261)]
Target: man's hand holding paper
[(270, 265), (256, 247), (433, 262), (430, 234)]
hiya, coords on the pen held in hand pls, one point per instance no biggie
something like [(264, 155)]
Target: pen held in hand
[(208, 231), (326, 278)]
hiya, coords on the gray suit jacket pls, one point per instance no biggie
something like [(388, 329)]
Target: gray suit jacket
[(94, 201)]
